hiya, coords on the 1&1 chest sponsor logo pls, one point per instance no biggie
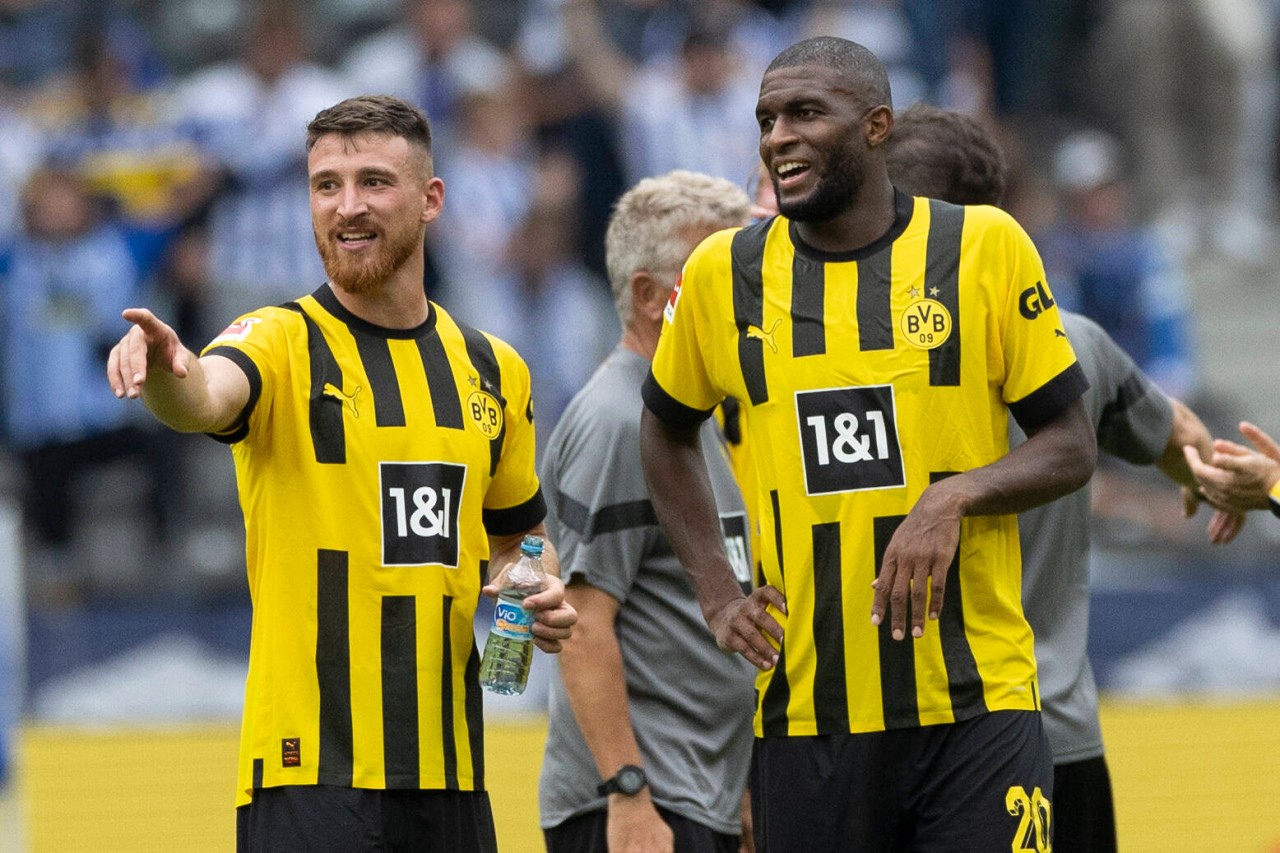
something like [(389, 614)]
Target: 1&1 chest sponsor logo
[(420, 502), (849, 439)]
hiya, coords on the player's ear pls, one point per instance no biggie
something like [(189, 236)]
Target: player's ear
[(432, 199), (878, 124)]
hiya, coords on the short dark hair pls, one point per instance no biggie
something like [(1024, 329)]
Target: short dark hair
[(946, 155), (372, 114), (848, 57)]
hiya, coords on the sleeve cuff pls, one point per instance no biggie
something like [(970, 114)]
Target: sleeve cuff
[(1047, 402), (515, 519), (668, 409), (240, 428)]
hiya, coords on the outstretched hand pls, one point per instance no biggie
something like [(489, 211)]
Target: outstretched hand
[(1238, 478), (148, 344)]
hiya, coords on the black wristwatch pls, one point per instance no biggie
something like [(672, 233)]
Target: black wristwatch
[(628, 780)]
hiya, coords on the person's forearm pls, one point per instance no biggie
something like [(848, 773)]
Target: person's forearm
[(1188, 430), (1055, 460), (680, 488), (592, 670), (186, 404)]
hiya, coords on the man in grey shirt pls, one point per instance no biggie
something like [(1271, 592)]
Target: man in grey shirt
[(649, 737), (947, 155)]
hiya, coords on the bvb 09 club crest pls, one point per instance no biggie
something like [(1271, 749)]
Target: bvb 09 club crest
[(485, 413), (925, 324)]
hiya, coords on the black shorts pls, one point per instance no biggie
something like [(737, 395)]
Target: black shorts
[(1084, 817), (979, 786), (586, 833), (329, 819)]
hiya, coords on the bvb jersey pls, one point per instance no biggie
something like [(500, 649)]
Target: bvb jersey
[(869, 375), (371, 464)]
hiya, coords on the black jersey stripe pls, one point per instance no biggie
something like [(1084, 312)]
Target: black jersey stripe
[(830, 692), (1048, 401), (747, 254), (808, 302), (627, 515), (875, 292), (964, 682), (480, 351), (777, 696), (240, 427), (942, 283), (328, 433), (474, 705), (901, 708), (448, 747), (445, 404), (400, 691), (333, 668), (257, 774), (375, 357)]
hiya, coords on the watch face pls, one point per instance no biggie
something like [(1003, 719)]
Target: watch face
[(630, 780)]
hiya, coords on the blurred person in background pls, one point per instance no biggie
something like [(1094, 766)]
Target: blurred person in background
[(385, 459), (431, 58), (689, 109), (1240, 477), (246, 114), (649, 735), (63, 282), (1189, 86), (1105, 264)]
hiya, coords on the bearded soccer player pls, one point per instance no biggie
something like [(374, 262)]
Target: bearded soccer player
[(878, 343), (385, 460)]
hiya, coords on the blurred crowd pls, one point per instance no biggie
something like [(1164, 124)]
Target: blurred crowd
[(151, 152)]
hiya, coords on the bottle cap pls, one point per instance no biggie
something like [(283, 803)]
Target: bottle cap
[(532, 545)]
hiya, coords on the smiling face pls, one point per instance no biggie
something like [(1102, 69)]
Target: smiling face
[(815, 140), (371, 196)]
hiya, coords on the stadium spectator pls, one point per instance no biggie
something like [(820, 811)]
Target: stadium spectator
[(690, 109), (1239, 477), (881, 488), (950, 156), (247, 113), (430, 58), (650, 730), (63, 282), (1106, 265), (385, 455)]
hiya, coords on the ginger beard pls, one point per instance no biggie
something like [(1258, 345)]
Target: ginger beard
[(361, 272)]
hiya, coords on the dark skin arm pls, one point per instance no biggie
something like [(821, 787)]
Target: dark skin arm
[(1056, 459), (680, 488)]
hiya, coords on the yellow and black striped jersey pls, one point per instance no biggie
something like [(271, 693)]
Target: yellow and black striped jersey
[(863, 377), (371, 464)]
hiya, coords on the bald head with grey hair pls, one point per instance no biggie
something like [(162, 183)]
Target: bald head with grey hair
[(657, 223)]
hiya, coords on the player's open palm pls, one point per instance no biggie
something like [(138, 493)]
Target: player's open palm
[(148, 344)]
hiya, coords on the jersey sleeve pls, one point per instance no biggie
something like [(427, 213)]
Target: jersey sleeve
[(1135, 418), (513, 502), (680, 389), (257, 343), (600, 516), (1041, 374)]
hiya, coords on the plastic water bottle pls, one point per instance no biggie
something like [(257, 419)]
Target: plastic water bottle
[(508, 652)]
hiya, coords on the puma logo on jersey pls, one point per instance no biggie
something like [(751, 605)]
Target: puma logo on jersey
[(1058, 333), (349, 400), (761, 335)]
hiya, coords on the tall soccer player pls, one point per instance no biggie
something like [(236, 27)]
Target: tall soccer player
[(878, 343), (385, 460)]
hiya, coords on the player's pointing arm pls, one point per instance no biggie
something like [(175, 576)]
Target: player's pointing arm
[(186, 393)]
